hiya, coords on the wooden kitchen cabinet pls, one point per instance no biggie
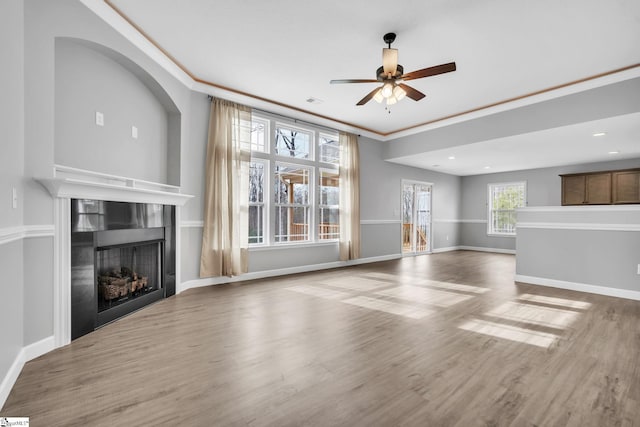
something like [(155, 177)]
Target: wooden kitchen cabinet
[(586, 189), (601, 188), (626, 186)]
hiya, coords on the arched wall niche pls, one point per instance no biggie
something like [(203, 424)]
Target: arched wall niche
[(92, 79)]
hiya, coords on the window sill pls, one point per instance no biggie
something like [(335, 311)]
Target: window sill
[(278, 246)]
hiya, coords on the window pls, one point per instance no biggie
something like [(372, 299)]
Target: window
[(329, 149), (292, 142), (257, 170), (504, 198), (293, 183), (291, 203), (329, 219), (259, 134)]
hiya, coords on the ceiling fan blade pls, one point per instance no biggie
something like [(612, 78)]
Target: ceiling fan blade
[(353, 81), (368, 97), (431, 71), (412, 93)]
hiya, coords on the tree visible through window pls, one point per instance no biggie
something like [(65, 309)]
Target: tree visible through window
[(504, 198)]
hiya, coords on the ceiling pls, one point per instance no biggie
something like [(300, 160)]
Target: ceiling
[(508, 53)]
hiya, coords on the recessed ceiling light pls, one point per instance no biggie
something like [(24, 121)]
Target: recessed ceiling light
[(312, 100), (614, 152), (435, 166), (600, 134), (487, 167), (452, 157)]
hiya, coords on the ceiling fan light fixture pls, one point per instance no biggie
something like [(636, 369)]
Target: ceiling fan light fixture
[(378, 96), (389, 61), (387, 90), (399, 93), (391, 100)]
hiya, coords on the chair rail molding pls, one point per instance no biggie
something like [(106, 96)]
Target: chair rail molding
[(11, 234)]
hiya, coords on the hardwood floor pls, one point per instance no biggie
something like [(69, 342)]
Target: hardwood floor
[(437, 340)]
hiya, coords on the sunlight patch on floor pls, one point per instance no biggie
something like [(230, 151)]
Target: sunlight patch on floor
[(424, 295), (555, 301), (389, 307), (512, 333), (359, 284), (535, 314), (454, 286), (319, 292)]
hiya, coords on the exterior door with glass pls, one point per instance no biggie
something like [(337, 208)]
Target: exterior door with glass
[(416, 217)]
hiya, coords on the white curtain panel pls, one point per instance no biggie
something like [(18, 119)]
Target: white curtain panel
[(225, 234), (349, 197)]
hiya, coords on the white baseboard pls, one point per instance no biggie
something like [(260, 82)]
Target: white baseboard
[(447, 249), (26, 354), (39, 348), (280, 272), (581, 287), (10, 378), (483, 249)]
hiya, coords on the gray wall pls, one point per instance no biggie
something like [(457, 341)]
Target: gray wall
[(597, 103), (38, 289), (594, 245), (87, 81), (11, 176), (543, 189), (11, 301), (380, 196), (50, 137)]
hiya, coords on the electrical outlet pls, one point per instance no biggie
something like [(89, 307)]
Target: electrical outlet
[(638, 268), (447, 238), (14, 200), (99, 118), (134, 132)]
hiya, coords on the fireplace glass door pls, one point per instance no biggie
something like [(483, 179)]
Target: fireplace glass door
[(127, 272)]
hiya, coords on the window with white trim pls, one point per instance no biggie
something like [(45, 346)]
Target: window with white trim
[(329, 212), (258, 168), (329, 149), (292, 202), (503, 199), (293, 183), (293, 142)]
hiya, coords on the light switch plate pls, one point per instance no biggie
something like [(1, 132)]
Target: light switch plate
[(99, 118), (134, 132)]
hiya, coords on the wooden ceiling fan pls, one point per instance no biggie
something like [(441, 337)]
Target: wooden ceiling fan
[(392, 77)]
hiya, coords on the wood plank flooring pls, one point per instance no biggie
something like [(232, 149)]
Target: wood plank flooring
[(437, 340)]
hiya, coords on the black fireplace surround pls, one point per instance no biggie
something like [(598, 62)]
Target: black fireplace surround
[(122, 259)]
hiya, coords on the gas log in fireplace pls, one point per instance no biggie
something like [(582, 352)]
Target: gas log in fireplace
[(122, 258)]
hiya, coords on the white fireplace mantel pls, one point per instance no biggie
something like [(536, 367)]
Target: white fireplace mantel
[(73, 183), (71, 188)]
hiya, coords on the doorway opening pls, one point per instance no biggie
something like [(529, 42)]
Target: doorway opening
[(416, 217)]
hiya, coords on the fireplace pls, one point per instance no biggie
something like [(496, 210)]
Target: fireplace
[(122, 259)]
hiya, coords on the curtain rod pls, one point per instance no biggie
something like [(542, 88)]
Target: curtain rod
[(210, 97)]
